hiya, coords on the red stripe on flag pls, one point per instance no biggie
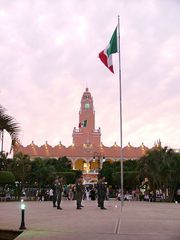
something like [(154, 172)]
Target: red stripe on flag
[(104, 59)]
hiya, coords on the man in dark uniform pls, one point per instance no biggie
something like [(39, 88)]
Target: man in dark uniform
[(98, 185), (54, 192), (101, 192), (59, 190), (79, 191)]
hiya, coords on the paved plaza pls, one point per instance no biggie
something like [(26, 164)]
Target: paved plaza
[(138, 220)]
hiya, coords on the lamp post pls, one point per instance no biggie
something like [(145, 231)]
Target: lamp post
[(99, 156), (23, 206)]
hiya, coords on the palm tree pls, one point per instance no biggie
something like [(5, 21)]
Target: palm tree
[(3, 161), (160, 167), (8, 123)]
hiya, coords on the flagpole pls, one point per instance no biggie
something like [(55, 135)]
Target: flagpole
[(120, 103)]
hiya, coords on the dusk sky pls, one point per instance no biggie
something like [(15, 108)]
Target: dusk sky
[(49, 54)]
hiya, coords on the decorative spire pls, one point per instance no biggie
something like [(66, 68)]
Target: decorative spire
[(142, 145), (115, 144)]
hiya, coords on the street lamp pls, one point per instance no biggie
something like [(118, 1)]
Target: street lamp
[(99, 156), (23, 206)]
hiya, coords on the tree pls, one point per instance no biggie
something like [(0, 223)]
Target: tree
[(107, 171), (130, 180), (20, 167), (130, 174), (160, 167), (69, 177), (3, 160), (6, 177), (111, 171), (8, 123), (61, 165), (42, 173)]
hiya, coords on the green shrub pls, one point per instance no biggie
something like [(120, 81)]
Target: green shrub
[(6, 177)]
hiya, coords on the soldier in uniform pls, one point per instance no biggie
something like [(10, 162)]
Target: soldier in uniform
[(97, 188), (79, 191), (54, 192), (101, 188), (59, 190)]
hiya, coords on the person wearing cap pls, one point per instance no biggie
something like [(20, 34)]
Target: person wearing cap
[(59, 190), (101, 188), (79, 192)]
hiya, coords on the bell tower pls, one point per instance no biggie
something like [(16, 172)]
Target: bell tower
[(86, 133)]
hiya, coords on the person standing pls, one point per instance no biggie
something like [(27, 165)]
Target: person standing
[(51, 194), (87, 192), (98, 192), (54, 188), (59, 190), (79, 191), (93, 194), (101, 187)]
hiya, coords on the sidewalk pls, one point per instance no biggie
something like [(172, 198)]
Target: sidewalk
[(138, 220)]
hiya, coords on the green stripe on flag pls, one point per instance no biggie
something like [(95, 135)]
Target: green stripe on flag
[(113, 44)]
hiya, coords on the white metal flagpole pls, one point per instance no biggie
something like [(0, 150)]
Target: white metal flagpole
[(120, 102)]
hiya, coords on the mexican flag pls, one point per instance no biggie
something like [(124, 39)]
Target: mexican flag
[(83, 124), (106, 55)]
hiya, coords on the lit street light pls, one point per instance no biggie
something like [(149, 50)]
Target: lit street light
[(23, 206)]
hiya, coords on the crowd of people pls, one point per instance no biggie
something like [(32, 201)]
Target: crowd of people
[(80, 191)]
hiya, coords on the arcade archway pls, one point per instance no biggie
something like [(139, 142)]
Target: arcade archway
[(81, 164)]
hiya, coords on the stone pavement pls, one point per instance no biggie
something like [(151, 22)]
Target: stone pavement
[(138, 220)]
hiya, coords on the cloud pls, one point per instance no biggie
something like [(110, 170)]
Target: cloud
[(48, 55)]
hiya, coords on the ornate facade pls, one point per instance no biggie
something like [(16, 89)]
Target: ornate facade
[(87, 152)]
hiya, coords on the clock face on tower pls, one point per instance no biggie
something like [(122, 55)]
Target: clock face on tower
[(87, 105)]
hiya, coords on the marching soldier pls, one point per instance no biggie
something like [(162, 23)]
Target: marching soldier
[(101, 192), (79, 192), (59, 190)]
